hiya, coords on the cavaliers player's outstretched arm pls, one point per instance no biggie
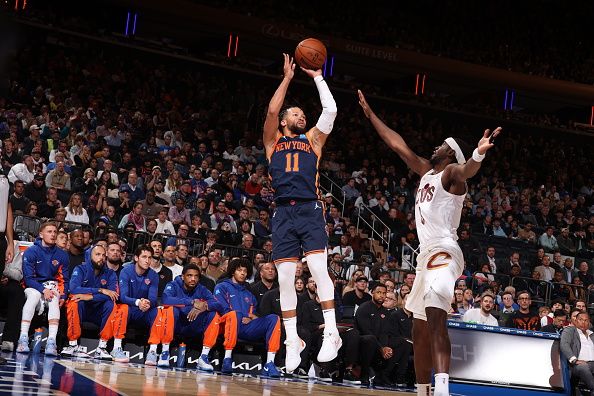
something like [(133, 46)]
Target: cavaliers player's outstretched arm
[(274, 107), (393, 139), (461, 173)]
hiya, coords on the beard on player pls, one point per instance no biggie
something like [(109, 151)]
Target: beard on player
[(295, 129)]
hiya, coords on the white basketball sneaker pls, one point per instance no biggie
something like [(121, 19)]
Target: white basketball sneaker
[(330, 347), (293, 356)]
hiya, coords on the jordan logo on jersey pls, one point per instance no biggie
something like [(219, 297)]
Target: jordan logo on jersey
[(425, 194)]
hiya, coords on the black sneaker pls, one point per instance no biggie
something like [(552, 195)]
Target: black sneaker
[(350, 378), (300, 373), (324, 376)]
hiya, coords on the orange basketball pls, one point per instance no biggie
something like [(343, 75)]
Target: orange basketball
[(310, 54)]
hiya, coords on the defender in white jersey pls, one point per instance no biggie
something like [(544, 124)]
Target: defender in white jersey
[(438, 207)]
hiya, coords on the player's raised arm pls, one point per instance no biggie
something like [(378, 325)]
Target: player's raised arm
[(470, 168), (276, 103), (418, 164), (329, 110)]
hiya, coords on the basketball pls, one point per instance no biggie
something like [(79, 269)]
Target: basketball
[(310, 54)]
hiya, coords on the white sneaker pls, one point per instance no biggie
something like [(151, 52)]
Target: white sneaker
[(102, 354), (293, 354), (69, 351), (330, 347), (203, 364)]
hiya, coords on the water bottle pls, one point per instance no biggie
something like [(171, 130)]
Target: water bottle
[(181, 356), (37, 340)]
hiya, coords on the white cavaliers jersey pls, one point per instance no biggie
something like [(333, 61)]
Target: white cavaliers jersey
[(437, 211)]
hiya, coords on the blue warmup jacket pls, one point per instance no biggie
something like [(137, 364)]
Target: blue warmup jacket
[(84, 281), (134, 286), (235, 297), (175, 294), (44, 263)]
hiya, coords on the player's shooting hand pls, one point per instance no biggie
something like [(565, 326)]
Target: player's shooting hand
[(312, 73), (289, 67), (193, 314), (364, 105), (484, 144)]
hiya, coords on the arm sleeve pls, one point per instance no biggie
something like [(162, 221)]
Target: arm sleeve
[(213, 303), (363, 322), (222, 298), (329, 110), (63, 276), (170, 297), (125, 290), (29, 262), (153, 288), (76, 282)]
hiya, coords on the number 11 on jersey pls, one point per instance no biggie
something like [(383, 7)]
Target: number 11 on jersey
[(292, 163)]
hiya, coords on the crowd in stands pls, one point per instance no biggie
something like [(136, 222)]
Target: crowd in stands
[(140, 152)]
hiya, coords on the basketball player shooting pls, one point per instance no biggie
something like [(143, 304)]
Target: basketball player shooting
[(298, 221), (438, 207)]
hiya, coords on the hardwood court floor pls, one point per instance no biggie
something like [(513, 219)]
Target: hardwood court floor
[(135, 380)]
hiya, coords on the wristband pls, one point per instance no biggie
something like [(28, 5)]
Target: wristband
[(476, 156), (137, 302)]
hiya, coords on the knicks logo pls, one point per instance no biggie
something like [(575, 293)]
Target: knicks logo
[(439, 260), (103, 282)]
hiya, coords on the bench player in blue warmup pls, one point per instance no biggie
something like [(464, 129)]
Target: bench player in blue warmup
[(298, 222), (93, 296), (234, 296), (196, 311), (46, 278), (139, 286)]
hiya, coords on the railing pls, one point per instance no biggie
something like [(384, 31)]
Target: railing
[(539, 290), (238, 251), (329, 186), (482, 280), (375, 226)]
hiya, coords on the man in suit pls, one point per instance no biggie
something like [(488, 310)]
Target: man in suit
[(497, 266), (569, 271), (577, 346)]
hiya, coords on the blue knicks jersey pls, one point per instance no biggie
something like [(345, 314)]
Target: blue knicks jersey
[(294, 169)]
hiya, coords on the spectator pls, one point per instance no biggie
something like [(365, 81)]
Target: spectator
[(75, 212), (359, 295), (545, 270), (548, 241), (164, 226), (526, 233), (24, 171), (577, 344), (482, 315), (18, 200), (58, 178), (559, 319), (524, 318)]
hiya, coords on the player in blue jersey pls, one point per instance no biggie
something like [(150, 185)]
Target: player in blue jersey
[(298, 223), (196, 311), (93, 296), (45, 274), (139, 285)]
